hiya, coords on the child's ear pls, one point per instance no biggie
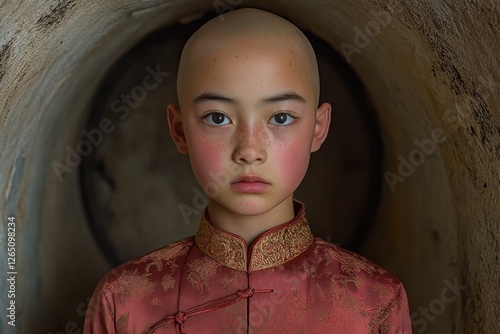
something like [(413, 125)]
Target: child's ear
[(323, 115), (176, 128)]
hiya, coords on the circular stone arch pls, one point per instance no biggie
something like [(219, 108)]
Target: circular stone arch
[(430, 69)]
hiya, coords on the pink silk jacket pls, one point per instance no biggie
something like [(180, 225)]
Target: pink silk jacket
[(286, 282)]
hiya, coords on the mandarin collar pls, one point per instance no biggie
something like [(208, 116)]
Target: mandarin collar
[(273, 248)]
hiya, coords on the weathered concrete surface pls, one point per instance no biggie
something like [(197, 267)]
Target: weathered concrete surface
[(433, 66)]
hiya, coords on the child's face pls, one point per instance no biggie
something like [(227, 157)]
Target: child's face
[(249, 111)]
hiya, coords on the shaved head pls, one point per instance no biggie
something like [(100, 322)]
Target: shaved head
[(247, 33)]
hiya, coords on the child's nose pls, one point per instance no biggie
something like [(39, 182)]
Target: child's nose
[(250, 145)]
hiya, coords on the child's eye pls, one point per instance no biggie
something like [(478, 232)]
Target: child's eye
[(216, 118), (282, 119)]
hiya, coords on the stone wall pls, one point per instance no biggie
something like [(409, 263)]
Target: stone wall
[(430, 68)]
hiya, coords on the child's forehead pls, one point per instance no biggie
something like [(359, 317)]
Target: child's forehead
[(243, 47), (243, 65), (247, 38)]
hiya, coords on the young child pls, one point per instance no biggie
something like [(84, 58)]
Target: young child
[(248, 118)]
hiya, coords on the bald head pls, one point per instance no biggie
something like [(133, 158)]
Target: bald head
[(247, 33)]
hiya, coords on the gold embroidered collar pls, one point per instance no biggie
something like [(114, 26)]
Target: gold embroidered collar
[(272, 248)]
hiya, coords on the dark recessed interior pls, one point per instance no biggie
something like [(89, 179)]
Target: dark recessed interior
[(134, 182)]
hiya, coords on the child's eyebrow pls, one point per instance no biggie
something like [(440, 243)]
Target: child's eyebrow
[(209, 96), (281, 97)]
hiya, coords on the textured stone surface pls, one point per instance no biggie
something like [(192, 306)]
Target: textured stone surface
[(433, 66)]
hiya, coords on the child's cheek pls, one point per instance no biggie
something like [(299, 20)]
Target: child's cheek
[(207, 159), (294, 160)]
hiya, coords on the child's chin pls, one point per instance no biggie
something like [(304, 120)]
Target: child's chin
[(252, 206)]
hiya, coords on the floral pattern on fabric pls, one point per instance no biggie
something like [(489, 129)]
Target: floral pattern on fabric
[(204, 284)]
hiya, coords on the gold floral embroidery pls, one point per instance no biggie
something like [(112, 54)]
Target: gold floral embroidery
[(351, 263), (281, 244), (141, 283), (166, 254), (156, 301), (231, 281), (167, 282), (272, 249), (122, 322), (324, 289), (221, 246), (200, 271)]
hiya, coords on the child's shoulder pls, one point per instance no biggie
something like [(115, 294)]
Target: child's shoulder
[(149, 267), (361, 285), (166, 254), (344, 264)]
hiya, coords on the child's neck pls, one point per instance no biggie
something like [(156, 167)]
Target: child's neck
[(250, 227)]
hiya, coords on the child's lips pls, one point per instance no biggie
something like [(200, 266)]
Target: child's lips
[(250, 184), (249, 179)]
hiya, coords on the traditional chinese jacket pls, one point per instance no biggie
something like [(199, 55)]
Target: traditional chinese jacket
[(287, 281)]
